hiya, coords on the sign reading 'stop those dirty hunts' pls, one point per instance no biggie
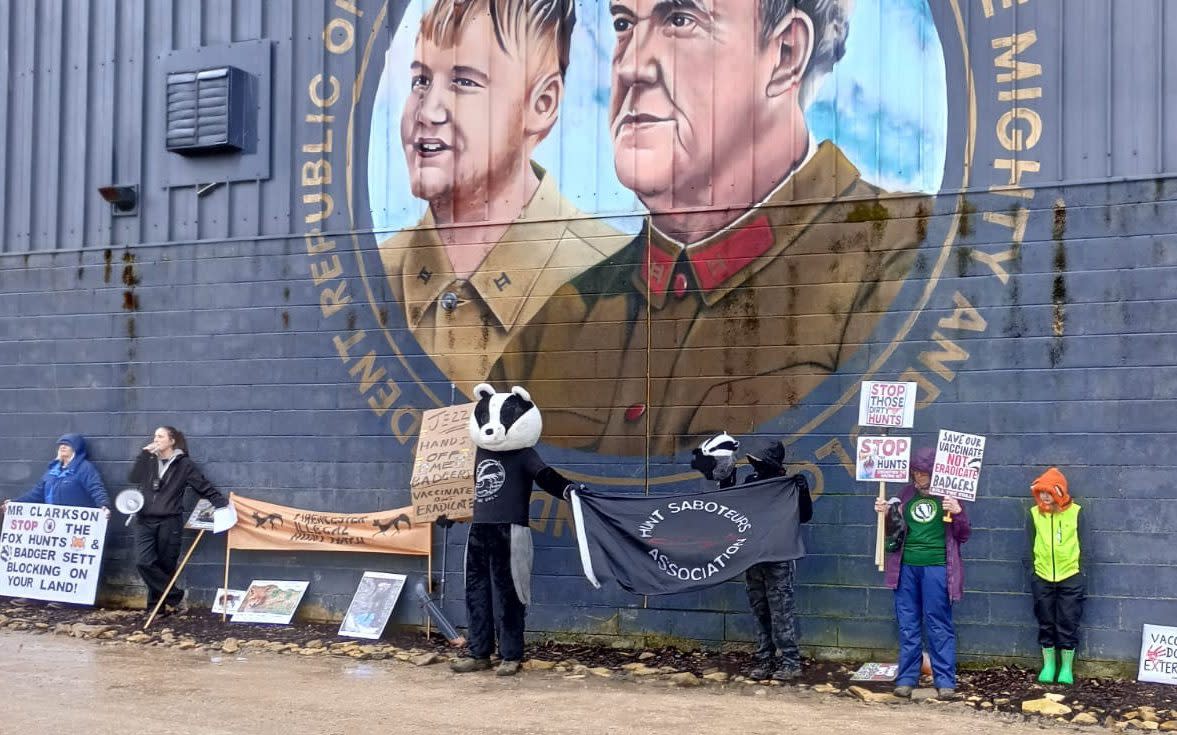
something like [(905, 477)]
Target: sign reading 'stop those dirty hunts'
[(51, 552), (886, 404), (443, 472)]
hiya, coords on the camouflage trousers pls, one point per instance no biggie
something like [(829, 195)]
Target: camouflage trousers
[(770, 593)]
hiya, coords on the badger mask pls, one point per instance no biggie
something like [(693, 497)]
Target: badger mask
[(504, 422)]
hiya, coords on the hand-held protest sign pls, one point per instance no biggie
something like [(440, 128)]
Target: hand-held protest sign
[(958, 466), (883, 459), (889, 405), (51, 552), (443, 470)]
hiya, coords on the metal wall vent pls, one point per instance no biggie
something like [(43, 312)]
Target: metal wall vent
[(207, 111)]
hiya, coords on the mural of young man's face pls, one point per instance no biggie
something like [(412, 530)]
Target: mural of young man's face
[(693, 86), (462, 128)]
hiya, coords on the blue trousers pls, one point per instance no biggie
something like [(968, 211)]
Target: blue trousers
[(922, 606)]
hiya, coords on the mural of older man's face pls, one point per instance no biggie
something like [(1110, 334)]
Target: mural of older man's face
[(694, 84)]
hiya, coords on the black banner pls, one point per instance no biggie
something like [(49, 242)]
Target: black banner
[(664, 544)]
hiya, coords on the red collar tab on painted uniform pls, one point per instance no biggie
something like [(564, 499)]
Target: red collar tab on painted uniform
[(712, 263)]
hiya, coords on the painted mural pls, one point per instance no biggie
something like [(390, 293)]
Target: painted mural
[(505, 279), (668, 219)]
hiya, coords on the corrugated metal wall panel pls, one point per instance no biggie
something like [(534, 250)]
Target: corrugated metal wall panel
[(1085, 82), (153, 196), (20, 186), (5, 110), (244, 196), (84, 108), (213, 210), (1166, 58), (76, 98), (47, 103), (128, 132), (1133, 84), (1045, 20), (100, 112), (276, 195), (185, 24)]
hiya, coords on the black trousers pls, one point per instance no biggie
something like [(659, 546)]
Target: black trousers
[(491, 601), (157, 549), (1059, 607), (770, 593)]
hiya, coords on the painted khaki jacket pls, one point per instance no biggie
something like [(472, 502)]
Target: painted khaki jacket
[(550, 244), (735, 330)]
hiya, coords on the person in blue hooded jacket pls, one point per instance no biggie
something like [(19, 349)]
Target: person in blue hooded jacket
[(70, 480)]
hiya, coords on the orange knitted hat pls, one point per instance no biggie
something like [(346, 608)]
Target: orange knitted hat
[(1053, 483)]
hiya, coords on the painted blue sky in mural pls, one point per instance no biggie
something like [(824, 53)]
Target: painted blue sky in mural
[(885, 105)]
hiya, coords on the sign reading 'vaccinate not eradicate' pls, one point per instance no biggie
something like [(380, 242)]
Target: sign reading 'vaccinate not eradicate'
[(51, 552), (958, 465)]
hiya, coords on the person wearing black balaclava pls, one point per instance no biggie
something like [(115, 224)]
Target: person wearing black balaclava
[(769, 584)]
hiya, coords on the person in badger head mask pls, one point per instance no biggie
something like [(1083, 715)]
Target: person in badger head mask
[(769, 584)]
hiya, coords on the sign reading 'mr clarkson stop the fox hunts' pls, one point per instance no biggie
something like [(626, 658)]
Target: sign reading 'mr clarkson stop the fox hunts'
[(51, 552)]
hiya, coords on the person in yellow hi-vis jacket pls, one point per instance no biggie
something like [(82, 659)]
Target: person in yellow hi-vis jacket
[(1058, 583)]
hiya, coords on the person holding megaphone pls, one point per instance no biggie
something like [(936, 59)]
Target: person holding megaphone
[(164, 471)]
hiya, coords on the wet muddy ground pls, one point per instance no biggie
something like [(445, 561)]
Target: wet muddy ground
[(995, 695), (55, 684)]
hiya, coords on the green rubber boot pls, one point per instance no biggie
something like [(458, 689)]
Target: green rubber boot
[(1048, 663), (1065, 675)]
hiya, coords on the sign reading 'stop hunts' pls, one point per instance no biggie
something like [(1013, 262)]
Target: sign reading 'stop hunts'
[(883, 458), (886, 404), (958, 465), (51, 552)]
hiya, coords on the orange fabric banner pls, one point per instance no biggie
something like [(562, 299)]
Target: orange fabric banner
[(268, 527)]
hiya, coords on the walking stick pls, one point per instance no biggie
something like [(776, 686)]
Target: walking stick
[(172, 582)]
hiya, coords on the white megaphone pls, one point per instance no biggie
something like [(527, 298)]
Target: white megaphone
[(129, 502)]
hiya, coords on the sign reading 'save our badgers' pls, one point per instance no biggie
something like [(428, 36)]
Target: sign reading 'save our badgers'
[(664, 544)]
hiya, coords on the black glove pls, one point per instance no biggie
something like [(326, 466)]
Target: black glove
[(443, 522), (895, 527), (573, 486)]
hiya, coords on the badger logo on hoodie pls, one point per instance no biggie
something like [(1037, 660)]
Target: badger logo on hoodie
[(488, 480)]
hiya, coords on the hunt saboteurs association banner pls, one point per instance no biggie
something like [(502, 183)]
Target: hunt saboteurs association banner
[(664, 544), (268, 527)]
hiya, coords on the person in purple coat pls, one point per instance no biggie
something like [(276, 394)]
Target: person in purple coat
[(926, 573)]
